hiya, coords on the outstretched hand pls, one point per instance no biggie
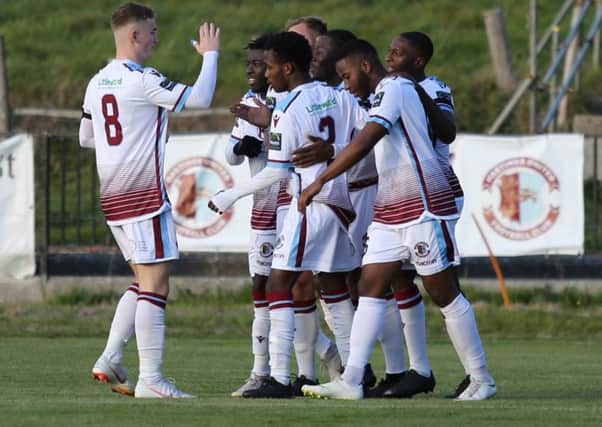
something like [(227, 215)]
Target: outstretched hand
[(259, 116), (208, 38), (317, 152), (307, 195), (221, 201)]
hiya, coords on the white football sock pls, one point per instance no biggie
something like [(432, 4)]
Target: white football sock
[(411, 309), (122, 326), (327, 315), (342, 317), (260, 331), (306, 333), (462, 329), (150, 334), (322, 344), (282, 331), (367, 324), (391, 339)]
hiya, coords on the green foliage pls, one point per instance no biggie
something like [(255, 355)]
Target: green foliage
[(82, 312), (53, 47)]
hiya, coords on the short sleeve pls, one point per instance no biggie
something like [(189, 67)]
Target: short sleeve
[(163, 92), (386, 108), (283, 140)]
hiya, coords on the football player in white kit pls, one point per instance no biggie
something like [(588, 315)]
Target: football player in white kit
[(413, 204), (408, 55), (317, 240), (309, 337), (125, 120), (248, 140)]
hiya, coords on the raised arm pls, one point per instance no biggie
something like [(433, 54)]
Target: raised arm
[(201, 92)]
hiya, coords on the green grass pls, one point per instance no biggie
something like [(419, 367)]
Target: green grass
[(54, 47), (544, 354), (542, 382)]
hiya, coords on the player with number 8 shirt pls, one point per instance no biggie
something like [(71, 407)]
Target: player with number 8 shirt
[(125, 120)]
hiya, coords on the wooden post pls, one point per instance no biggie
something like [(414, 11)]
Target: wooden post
[(498, 48), (4, 110), (596, 46), (533, 64), (568, 63)]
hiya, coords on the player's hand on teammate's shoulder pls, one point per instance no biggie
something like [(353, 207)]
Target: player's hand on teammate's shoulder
[(259, 116), (208, 38), (317, 152)]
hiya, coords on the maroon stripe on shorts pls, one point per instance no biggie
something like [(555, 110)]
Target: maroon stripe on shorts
[(158, 240), (448, 242), (302, 240)]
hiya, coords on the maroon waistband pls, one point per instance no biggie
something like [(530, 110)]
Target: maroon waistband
[(362, 183)]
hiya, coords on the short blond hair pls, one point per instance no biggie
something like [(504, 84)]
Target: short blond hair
[(314, 23), (130, 12)]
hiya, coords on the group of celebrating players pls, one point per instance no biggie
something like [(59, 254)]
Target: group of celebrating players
[(353, 195)]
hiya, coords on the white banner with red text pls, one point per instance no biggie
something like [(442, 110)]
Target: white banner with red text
[(17, 214), (523, 194)]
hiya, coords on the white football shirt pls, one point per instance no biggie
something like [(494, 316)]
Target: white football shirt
[(412, 185), (318, 110), (128, 107), (267, 200)]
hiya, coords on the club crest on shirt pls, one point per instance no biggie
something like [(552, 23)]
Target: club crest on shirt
[(378, 99), (275, 119), (275, 141)]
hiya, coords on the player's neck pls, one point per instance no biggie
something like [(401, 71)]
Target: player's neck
[(376, 76), (298, 80), (334, 80), (129, 55)]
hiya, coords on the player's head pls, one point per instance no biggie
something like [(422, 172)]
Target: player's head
[(287, 56), (309, 27), (256, 64), (323, 65), (409, 52), (134, 30), (357, 64)]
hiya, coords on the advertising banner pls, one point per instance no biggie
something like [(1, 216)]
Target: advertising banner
[(525, 193), (17, 214)]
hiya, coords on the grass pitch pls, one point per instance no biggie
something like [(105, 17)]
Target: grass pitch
[(541, 381)]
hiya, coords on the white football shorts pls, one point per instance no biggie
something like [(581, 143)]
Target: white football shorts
[(149, 241), (363, 205), (315, 241), (428, 246), (261, 249)]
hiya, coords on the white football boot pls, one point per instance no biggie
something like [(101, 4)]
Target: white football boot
[(337, 389), (253, 383), (163, 389), (113, 374), (477, 391)]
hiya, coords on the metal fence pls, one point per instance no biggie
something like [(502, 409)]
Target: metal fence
[(69, 218)]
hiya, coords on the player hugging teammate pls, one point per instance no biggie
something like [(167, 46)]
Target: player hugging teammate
[(401, 142)]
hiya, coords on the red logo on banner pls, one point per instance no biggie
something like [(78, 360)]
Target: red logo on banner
[(522, 198), (192, 182)]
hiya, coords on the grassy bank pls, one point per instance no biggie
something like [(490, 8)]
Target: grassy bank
[(53, 47)]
